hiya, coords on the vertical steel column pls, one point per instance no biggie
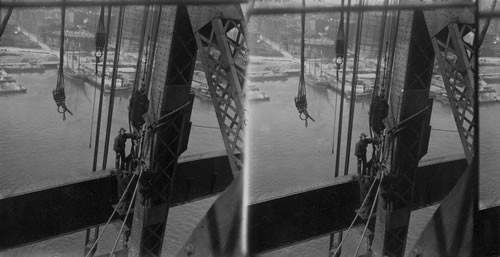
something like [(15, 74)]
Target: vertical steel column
[(410, 101), (223, 50), (450, 231), (171, 92), (455, 59)]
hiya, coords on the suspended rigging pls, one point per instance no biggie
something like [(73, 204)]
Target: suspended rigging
[(100, 40), (339, 59), (301, 99), (359, 28), (341, 111), (58, 93)]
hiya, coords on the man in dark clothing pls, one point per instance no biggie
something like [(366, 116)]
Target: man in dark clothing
[(119, 148), (378, 112), (139, 104), (360, 152)]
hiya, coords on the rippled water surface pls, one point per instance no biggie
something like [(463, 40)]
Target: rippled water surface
[(39, 149), (286, 156)]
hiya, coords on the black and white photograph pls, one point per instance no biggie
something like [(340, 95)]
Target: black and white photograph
[(206, 128)]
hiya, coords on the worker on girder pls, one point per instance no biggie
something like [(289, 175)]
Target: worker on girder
[(119, 148), (360, 152), (379, 110), (139, 104)]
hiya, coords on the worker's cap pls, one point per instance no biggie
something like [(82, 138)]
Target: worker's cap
[(122, 129), (362, 135)]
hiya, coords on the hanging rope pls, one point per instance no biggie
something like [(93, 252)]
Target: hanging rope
[(93, 110), (100, 38), (354, 220), (340, 43), (111, 216), (341, 107), (369, 217), (58, 93), (391, 55), (301, 100), (376, 113), (359, 28), (128, 211), (339, 60), (101, 91), (100, 41), (139, 62), (155, 25), (340, 51), (113, 84)]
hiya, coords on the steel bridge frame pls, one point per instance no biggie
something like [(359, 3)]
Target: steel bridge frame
[(224, 55)]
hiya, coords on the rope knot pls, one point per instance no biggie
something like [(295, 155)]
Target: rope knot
[(60, 98), (301, 104)]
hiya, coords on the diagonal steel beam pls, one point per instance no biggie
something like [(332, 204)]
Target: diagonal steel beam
[(5, 21)]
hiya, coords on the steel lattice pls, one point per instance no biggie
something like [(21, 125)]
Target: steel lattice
[(455, 58), (224, 54)]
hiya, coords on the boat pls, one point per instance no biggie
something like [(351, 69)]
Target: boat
[(312, 80), (5, 77), (362, 91), (490, 97), (292, 72), (257, 96), (8, 85), (73, 74), (267, 76), (122, 86), (11, 88)]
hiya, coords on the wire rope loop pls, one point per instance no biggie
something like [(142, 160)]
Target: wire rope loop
[(303, 115), (61, 109), (98, 54), (339, 60)]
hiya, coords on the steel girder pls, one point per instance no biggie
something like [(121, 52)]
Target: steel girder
[(449, 234), (221, 40), (455, 59), (410, 108), (223, 50), (174, 71)]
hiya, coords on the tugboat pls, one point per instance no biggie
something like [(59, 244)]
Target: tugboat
[(9, 85), (5, 77), (257, 96)]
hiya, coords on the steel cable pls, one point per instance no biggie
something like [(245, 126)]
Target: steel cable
[(359, 29), (369, 216), (111, 216), (128, 211), (354, 220)]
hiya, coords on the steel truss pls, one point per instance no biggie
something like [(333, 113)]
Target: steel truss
[(223, 50), (455, 57)]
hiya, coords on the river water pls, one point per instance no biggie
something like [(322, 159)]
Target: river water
[(39, 149), (285, 156)]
